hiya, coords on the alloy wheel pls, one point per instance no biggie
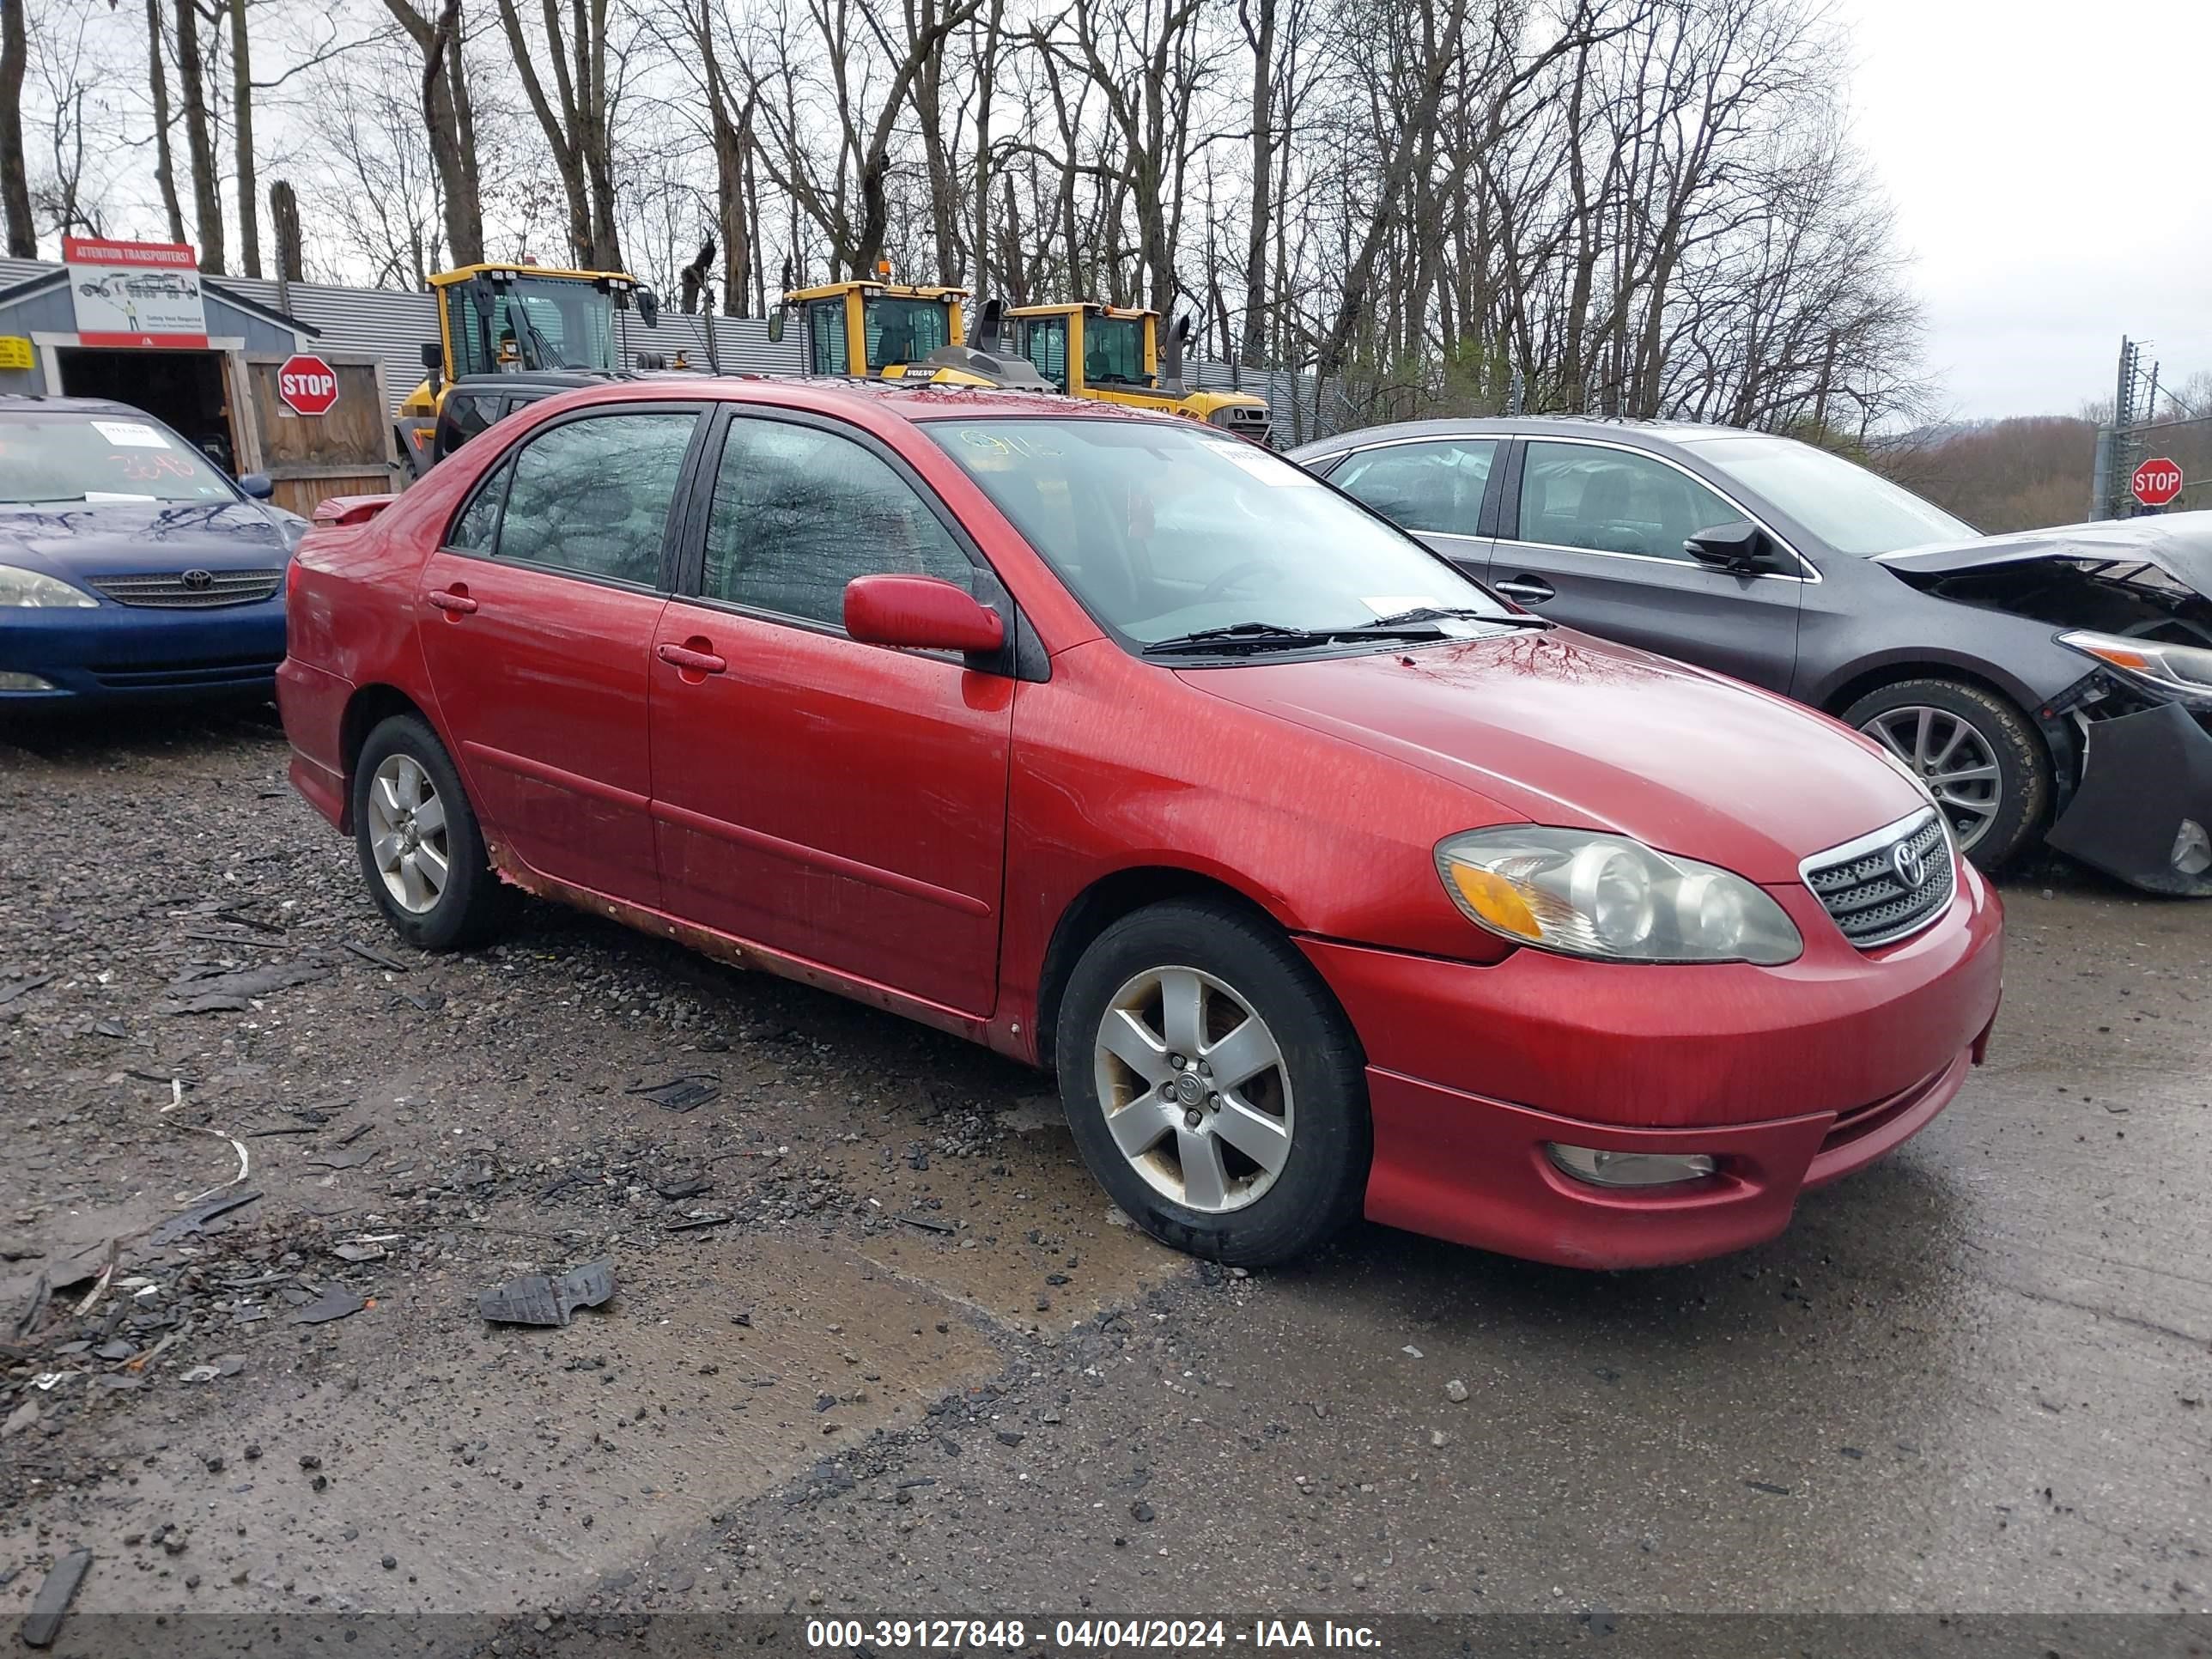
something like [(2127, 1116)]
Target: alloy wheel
[(1195, 1090), (1952, 758), (407, 834)]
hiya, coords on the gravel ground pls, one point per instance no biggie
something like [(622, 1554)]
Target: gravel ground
[(878, 1344)]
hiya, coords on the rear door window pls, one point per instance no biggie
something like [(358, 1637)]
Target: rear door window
[(591, 496), (1432, 487)]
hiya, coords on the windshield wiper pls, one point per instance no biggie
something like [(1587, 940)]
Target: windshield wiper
[(1456, 613), (1265, 635)]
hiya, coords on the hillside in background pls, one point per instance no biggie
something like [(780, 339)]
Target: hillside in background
[(2000, 475)]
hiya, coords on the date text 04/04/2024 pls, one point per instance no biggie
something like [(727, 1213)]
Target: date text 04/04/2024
[(1085, 1634)]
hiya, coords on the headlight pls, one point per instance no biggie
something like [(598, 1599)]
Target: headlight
[(1582, 893), (29, 589), (2179, 671)]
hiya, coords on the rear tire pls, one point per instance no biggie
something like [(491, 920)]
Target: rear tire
[(1954, 735), (422, 852), (1229, 1115)]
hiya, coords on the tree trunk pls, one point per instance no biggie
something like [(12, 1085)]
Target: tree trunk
[(191, 73), (285, 220), (1261, 32), (157, 77), (242, 98), (15, 179), (448, 124)]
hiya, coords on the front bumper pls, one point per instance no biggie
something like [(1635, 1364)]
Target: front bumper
[(114, 651), (1789, 1078), (2142, 777)]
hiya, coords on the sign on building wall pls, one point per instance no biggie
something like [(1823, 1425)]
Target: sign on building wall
[(136, 294)]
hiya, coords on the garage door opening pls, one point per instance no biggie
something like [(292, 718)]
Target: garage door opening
[(185, 390)]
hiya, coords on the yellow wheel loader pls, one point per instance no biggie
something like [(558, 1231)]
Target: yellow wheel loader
[(881, 329), (1113, 355), (508, 334)]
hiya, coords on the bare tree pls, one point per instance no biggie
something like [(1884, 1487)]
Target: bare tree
[(449, 119), (15, 177), (199, 136), (574, 118), (157, 80), (241, 122)]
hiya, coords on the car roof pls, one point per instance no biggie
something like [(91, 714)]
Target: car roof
[(1653, 434), (25, 402), (833, 395)]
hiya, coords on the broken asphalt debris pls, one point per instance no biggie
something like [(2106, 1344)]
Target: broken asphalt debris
[(196, 1219), (43, 1622), (332, 1304), (201, 990), (539, 1299), (681, 1094), (381, 958)]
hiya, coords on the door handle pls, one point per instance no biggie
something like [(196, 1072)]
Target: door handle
[(1527, 590), (692, 659), (454, 602)]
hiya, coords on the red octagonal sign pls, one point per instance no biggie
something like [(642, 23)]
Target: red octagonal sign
[(307, 384), (2157, 482)]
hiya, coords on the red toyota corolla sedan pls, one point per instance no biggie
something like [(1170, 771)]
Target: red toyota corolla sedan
[(1323, 880)]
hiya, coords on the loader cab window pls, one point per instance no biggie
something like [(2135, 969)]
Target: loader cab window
[(534, 322), (825, 338), (905, 330), (1044, 343), (1114, 351)]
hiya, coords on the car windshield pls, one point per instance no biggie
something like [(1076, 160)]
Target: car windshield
[(1850, 509), (1164, 531), (55, 457)]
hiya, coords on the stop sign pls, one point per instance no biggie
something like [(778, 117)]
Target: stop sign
[(2157, 482), (307, 384)]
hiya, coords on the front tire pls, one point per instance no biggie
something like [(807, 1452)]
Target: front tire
[(422, 852), (1976, 753), (1214, 1087)]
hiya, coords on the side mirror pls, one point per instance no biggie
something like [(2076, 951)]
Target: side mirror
[(919, 613), (433, 356), (259, 485), (648, 307), (775, 326), (1740, 546)]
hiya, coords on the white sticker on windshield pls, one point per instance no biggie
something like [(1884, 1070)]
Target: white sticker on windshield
[(1395, 604), (1262, 463), (131, 434), (115, 495)]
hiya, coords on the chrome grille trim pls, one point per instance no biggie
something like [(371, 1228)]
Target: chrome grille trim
[(167, 589), (1858, 886)]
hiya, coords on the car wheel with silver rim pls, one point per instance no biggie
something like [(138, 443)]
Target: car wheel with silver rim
[(1981, 762), (421, 853), (1213, 1086)]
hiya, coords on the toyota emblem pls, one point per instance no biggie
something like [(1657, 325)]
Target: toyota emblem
[(199, 580), (1911, 867)]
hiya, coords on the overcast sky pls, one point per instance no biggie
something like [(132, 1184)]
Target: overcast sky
[(2048, 163)]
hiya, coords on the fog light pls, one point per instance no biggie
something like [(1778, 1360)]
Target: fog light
[(2192, 848), (1604, 1168), (11, 681)]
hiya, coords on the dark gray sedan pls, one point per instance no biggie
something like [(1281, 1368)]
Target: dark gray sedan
[(2054, 684)]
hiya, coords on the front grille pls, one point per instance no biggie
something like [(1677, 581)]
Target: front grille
[(173, 590), (1243, 418), (212, 672), (1863, 883)]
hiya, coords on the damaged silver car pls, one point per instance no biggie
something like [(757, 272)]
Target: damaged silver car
[(2052, 686)]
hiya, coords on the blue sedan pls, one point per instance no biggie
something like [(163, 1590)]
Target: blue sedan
[(130, 567)]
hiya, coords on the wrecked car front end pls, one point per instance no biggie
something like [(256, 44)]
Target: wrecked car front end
[(2132, 600)]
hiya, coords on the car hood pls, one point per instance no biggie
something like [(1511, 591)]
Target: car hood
[(1575, 731), (97, 538), (2179, 543)]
